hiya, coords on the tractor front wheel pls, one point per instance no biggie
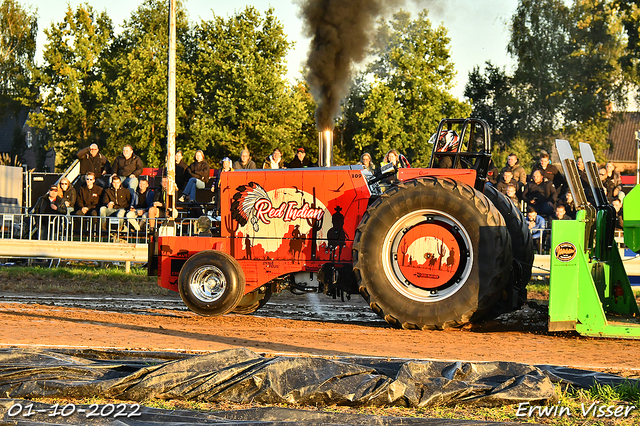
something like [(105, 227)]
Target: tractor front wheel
[(432, 253), (211, 283)]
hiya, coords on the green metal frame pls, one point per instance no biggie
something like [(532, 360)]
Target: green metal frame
[(588, 293)]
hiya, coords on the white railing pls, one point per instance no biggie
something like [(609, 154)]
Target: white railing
[(83, 238)]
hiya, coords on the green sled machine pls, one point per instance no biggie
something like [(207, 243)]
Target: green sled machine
[(589, 287)]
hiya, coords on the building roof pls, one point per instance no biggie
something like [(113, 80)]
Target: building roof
[(623, 138)]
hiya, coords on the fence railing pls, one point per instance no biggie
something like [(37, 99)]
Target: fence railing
[(83, 238)]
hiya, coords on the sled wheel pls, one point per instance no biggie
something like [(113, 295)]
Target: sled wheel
[(432, 253), (262, 297), (522, 245), (211, 283)]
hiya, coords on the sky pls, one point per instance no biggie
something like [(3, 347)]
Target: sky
[(479, 29)]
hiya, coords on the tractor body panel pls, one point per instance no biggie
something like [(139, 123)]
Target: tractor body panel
[(278, 222)]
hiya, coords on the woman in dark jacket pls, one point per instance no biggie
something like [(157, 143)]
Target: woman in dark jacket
[(198, 173), (68, 194)]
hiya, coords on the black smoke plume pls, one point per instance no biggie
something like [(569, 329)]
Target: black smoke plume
[(340, 32)]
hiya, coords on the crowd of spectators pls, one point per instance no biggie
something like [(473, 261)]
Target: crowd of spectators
[(544, 195), (119, 190)]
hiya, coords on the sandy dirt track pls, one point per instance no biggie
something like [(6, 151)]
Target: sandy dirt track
[(51, 326)]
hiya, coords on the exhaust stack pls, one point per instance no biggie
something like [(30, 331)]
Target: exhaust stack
[(325, 148)]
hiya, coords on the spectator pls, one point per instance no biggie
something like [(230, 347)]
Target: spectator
[(513, 164), (617, 204), (88, 199), (116, 200), (129, 167), (48, 204), (550, 173), (612, 182), (493, 174), (392, 157), (157, 208), (198, 174), (537, 225), (215, 188), (142, 199), (366, 162), (506, 179), (273, 161), (300, 160), (245, 162), (561, 213), (569, 204), (68, 194), (181, 168), (92, 161), (540, 194), (512, 194)]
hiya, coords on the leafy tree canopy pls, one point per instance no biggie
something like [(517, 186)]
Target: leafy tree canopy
[(412, 75), (18, 29), (70, 84)]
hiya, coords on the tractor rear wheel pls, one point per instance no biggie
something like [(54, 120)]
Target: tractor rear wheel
[(522, 245), (211, 283), (431, 253)]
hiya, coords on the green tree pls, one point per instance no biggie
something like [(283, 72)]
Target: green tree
[(415, 75), (381, 122), (540, 42), (70, 85), (136, 69), (243, 99), (493, 98), (629, 12), (18, 29)]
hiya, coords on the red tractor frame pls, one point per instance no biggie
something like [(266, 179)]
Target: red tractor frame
[(427, 248)]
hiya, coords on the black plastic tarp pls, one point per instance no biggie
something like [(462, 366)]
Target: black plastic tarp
[(242, 376)]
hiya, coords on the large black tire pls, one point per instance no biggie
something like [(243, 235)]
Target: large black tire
[(522, 247), (252, 307), (211, 283), (411, 296)]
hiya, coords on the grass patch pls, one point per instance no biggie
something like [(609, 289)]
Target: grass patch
[(79, 280), (625, 395), (539, 291)]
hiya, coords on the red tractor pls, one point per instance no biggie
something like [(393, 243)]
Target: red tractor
[(427, 248)]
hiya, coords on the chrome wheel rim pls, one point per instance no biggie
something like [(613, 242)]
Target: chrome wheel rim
[(208, 284)]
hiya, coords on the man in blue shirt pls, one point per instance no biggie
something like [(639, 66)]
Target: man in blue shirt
[(537, 225)]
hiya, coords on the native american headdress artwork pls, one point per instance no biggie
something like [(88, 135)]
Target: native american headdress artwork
[(242, 207)]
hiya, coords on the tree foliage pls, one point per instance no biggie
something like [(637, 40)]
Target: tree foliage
[(413, 75), (243, 99), (494, 100), (70, 85), (136, 68), (18, 29), (568, 75)]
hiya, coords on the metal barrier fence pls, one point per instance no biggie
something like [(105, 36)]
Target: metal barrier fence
[(83, 238), (86, 229)]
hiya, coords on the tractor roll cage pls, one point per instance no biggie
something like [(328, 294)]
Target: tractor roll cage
[(468, 135)]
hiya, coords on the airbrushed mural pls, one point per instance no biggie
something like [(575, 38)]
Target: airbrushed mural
[(287, 224), (428, 255)]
